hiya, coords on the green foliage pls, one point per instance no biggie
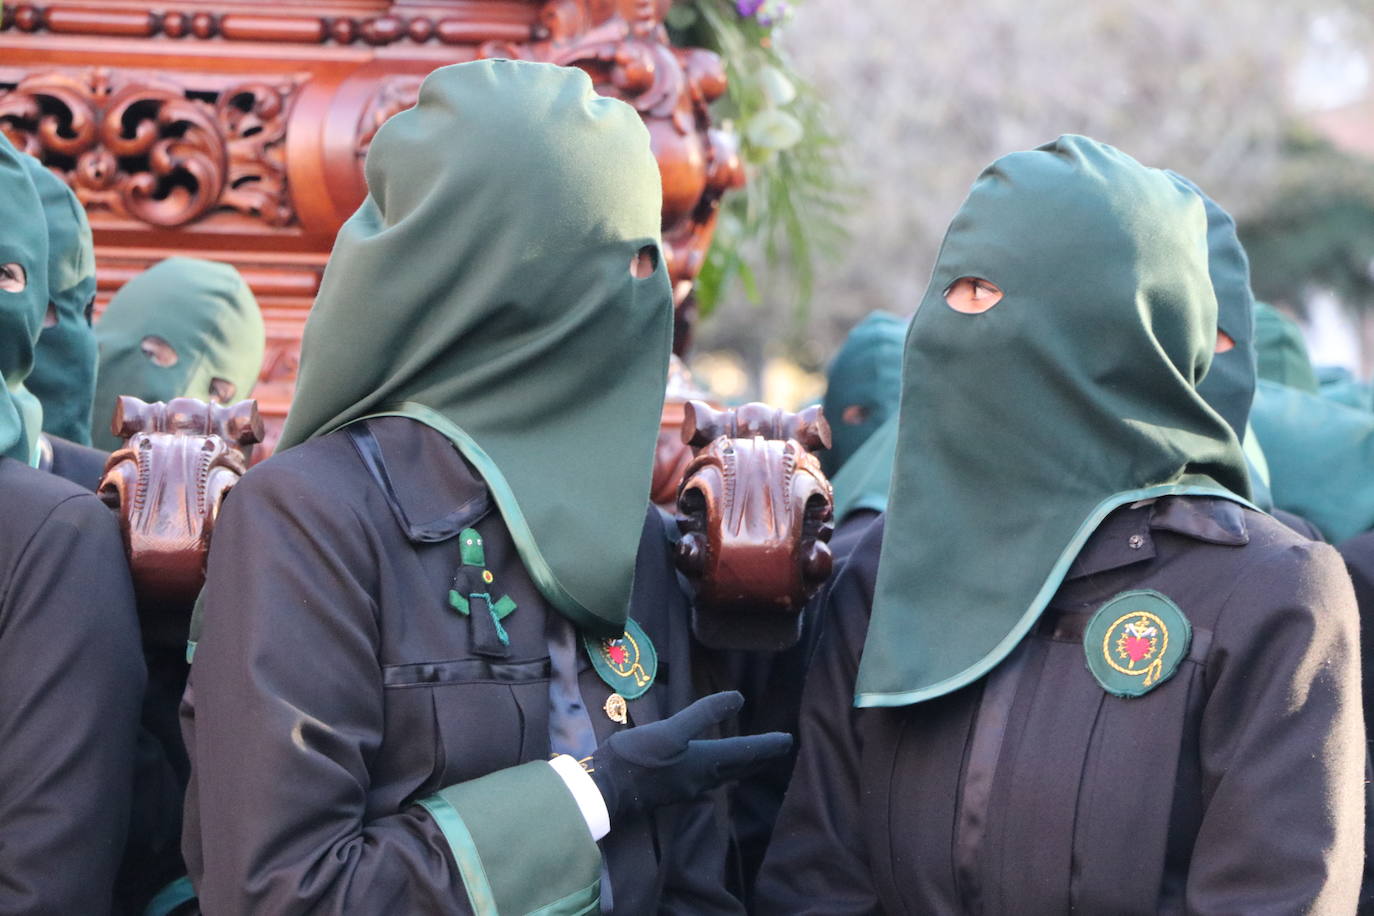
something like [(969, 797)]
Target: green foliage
[(788, 216), (1318, 227)]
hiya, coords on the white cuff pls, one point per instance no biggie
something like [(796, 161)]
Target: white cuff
[(585, 793)]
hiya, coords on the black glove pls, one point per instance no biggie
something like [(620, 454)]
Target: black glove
[(664, 763)]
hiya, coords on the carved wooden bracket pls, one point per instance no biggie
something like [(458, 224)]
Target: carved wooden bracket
[(167, 482), (756, 513)]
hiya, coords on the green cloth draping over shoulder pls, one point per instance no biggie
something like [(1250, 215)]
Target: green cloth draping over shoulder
[(204, 310), (484, 288), (24, 243), (866, 373), (1321, 458), (1282, 351), (1077, 393), (63, 377)]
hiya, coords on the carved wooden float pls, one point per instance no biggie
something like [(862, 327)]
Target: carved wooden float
[(235, 130)]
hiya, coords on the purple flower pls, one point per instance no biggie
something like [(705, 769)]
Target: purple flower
[(747, 8)]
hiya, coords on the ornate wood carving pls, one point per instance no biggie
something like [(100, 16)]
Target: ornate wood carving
[(756, 513), (158, 151), (235, 129), (178, 461)]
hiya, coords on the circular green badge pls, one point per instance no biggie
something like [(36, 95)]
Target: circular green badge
[(1135, 642), (628, 664)]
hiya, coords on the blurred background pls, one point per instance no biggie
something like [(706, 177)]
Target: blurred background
[(1269, 107)]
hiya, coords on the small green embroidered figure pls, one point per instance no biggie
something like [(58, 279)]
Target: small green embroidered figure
[(471, 585)]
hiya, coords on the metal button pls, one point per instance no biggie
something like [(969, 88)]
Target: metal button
[(1136, 541)]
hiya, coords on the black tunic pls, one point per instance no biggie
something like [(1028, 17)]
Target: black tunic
[(71, 678), (332, 687), (1234, 787)]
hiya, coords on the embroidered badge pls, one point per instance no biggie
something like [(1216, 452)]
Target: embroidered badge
[(1135, 642), (628, 663), (471, 581)]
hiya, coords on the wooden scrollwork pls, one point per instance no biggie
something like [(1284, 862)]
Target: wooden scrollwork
[(149, 149)]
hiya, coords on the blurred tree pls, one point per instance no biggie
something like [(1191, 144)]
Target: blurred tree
[(923, 95)]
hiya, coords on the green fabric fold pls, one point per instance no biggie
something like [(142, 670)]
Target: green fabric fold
[(63, 377), (486, 281), (865, 374), (520, 843), (204, 310), (1282, 351), (1076, 393), (23, 249), (1320, 455)]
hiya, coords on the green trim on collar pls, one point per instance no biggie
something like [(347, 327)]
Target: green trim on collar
[(1136, 641), (1042, 599), (510, 825), (535, 564), (628, 663)]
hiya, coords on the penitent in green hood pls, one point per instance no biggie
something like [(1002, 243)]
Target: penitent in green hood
[(23, 252), (865, 379), (484, 288), (204, 311), (1022, 427), (63, 377)]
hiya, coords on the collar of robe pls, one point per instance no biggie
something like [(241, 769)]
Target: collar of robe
[(484, 288), (1023, 427)]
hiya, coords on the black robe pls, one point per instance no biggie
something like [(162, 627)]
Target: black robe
[(71, 678), (1234, 787), (81, 464), (333, 687)]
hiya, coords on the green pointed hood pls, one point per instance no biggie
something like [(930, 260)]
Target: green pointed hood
[(204, 309), (1282, 351), (1230, 384), (484, 288), (867, 373), (23, 241), (1022, 427), (63, 377)]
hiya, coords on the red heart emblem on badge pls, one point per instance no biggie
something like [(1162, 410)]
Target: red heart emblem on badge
[(1137, 647)]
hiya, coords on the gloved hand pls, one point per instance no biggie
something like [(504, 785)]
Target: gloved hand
[(663, 763)]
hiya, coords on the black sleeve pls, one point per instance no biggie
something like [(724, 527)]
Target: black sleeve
[(1282, 745), (71, 681), (816, 862)]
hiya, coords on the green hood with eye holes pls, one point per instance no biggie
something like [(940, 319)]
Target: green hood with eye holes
[(63, 377), (866, 373), (484, 288), (23, 241), (204, 310), (1021, 428)]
